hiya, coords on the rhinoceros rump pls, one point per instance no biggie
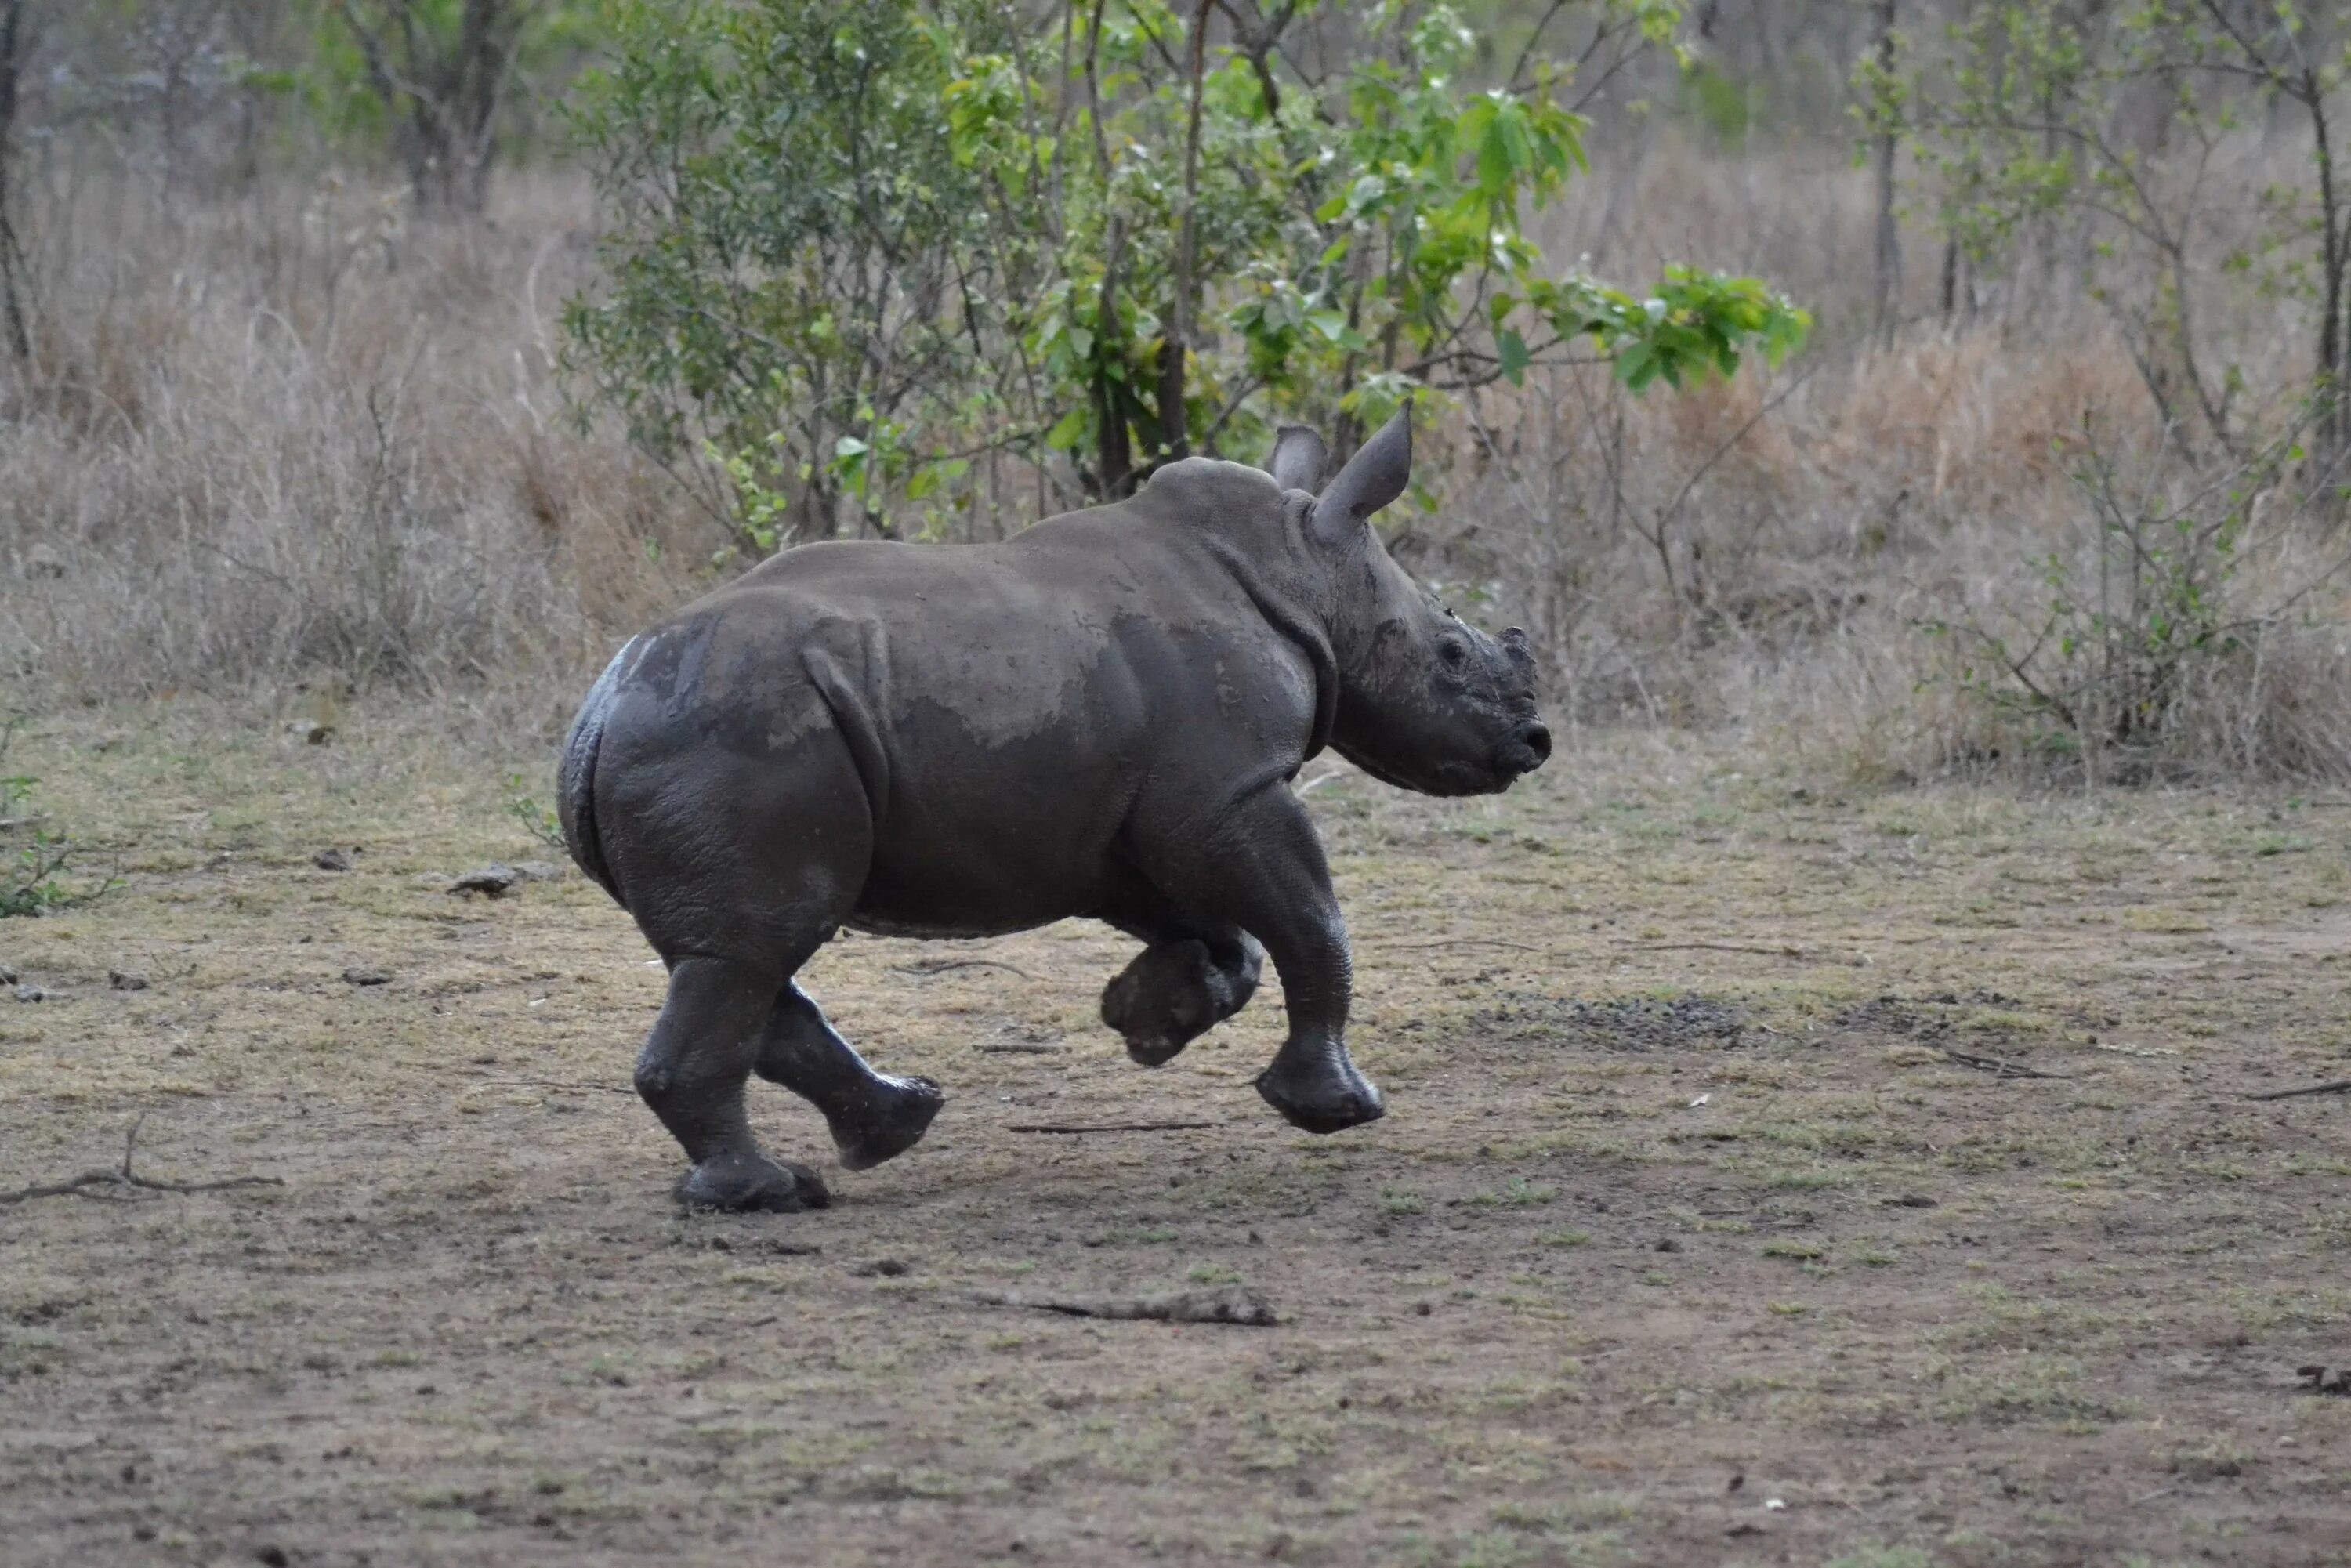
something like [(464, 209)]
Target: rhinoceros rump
[(1100, 718)]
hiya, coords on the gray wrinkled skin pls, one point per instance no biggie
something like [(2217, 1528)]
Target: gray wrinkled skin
[(1098, 719)]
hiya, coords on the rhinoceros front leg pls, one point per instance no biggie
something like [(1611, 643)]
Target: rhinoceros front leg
[(1192, 977), (1261, 867), (692, 1073), (873, 1116)]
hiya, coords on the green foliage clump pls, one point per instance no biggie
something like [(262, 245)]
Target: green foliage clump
[(540, 821), (864, 255), (30, 856)]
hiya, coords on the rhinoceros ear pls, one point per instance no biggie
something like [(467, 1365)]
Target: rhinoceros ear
[(1298, 459), (1372, 477)]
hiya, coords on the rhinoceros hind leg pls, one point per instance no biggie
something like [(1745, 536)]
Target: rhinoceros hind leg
[(874, 1115), (1176, 991), (691, 1072)]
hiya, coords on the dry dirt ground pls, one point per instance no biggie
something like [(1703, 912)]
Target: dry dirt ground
[(1694, 1234)]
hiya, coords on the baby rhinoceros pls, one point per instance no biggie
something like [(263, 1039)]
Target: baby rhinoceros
[(1100, 718)]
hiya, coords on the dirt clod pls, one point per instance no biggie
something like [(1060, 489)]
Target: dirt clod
[(127, 979), (492, 881), (332, 860)]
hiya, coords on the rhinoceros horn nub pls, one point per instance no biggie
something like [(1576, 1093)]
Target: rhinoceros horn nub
[(1372, 477)]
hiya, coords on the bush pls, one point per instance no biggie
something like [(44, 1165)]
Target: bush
[(917, 265), (2156, 634)]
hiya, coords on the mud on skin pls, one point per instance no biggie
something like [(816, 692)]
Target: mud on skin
[(1099, 718)]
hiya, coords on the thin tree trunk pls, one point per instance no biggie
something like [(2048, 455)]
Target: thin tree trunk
[(14, 46), (1175, 435), (2333, 263), (1889, 235), (1113, 455)]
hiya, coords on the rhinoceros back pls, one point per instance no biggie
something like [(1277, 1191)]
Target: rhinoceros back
[(575, 787)]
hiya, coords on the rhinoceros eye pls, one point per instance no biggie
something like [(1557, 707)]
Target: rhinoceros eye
[(1452, 651)]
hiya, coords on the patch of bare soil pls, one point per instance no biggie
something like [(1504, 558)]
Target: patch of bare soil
[(1697, 1232)]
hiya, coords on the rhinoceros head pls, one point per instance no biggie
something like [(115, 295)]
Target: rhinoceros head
[(1427, 701)]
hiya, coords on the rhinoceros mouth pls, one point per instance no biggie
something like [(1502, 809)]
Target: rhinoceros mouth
[(1454, 776)]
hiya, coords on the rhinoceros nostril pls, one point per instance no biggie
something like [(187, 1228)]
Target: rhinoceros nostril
[(1537, 737)]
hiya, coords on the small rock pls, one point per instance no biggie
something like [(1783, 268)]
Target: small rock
[(30, 993), (7, 976), (275, 1556), (42, 561), (492, 881), (332, 860), (311, 731), (368, 976), (541, 871), (127, 979), (888, 1268), (1669, 1245)]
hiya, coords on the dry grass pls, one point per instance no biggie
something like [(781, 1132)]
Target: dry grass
[(1780, 554), (304, 439), (306, 444)]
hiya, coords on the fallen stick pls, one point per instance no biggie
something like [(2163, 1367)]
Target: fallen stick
[(1223, 1304), (553, 1083), (1783, 950), (930, 969), (123, 1175), (1017, 1047), (2338, 1086), (1995, 1066), (1456, 942), (1107, 1126)]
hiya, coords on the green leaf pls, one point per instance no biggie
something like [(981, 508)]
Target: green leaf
[(1512, 350)]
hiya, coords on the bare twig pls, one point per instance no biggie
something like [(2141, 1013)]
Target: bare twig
[(1223, 1304), (1017, 1048), (553, 1083), (1458, 942), (1996, 1067), (1077, 1127), (928, 968), (2336, 1086), (1781, 950), (122, 1176)]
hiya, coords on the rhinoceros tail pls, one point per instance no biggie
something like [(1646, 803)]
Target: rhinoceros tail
[(575, 779)]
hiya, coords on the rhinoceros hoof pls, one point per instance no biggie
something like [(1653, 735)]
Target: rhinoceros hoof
[(897, 1125), (1323, 1102), (746, 1184), (1166, 998)]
